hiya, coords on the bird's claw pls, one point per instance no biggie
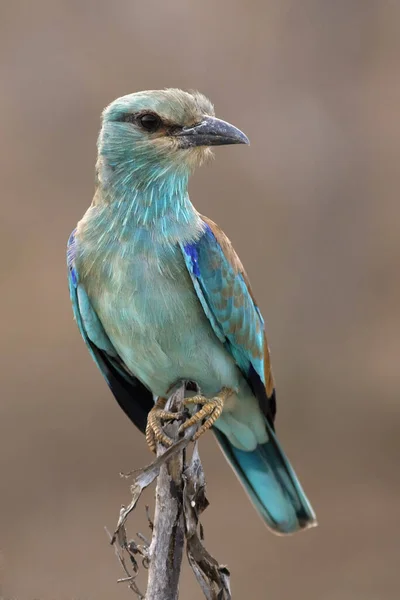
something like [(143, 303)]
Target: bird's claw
[(210, 411), (154, 428)]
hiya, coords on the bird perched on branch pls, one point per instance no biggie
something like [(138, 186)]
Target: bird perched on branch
[(160, 295)]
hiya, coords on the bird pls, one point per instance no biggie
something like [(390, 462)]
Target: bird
[(160, 296)]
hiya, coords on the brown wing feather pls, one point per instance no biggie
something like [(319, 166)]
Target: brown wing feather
[(232, 257)]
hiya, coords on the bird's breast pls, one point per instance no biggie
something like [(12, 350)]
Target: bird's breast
[(145, 291), (149, 309)]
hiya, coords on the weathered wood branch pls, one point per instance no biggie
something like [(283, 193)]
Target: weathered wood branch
[(180, 499), (167, 543)]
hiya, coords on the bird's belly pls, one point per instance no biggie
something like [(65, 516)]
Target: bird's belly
[(157, 325)]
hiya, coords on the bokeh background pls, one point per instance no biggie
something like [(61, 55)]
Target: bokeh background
[(312, 207)]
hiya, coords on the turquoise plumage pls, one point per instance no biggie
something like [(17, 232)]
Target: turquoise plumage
[(160, 295)]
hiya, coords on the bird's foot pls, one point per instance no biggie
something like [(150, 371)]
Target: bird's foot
[(154, 428), (212, 409)]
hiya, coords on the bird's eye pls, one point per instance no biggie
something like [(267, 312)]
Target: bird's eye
[(150, 122)]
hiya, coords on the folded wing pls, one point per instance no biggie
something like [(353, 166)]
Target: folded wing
[(132, 396)]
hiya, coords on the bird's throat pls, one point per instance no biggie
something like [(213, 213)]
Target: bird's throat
[(158, 208)]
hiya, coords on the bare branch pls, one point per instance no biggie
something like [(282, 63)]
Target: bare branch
[(180, 500), (166, 547), (212, 577)]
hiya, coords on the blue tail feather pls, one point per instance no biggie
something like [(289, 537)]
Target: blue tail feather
[(271, 483)]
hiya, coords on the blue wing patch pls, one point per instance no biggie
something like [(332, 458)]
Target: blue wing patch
[(230, 307), (226, 300)]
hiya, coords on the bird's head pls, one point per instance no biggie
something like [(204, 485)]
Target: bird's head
[(160, 132)]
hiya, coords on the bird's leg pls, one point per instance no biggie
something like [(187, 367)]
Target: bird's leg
[(154, 430), (212, 409)]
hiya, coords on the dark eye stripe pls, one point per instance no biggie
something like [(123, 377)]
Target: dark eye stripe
[(149, 121), (127, 118)]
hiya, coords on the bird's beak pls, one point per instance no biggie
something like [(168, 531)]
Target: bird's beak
[(210, 132)]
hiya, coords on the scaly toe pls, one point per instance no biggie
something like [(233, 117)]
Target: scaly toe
[(154, 430), (196, 400), (211, 410)]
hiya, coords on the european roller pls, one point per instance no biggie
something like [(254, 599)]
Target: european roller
[(161, 297)]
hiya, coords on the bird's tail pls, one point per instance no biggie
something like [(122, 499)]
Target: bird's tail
[(271, 483)]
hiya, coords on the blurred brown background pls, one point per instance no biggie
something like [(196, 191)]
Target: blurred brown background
[(312, 208)]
